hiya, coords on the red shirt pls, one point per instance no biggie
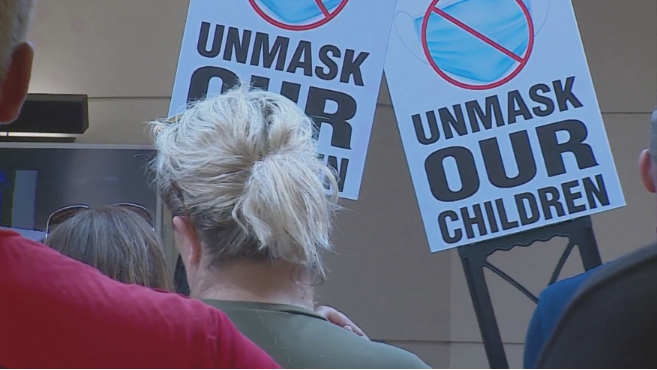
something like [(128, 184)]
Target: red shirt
[(56, 312)]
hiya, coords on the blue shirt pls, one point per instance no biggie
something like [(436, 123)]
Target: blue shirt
[(551, 304)]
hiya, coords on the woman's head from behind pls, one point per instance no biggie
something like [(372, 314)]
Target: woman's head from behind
[(242, 174), (116, 241)]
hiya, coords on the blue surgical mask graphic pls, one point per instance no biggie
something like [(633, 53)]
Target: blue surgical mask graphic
[(298, 11), (459, 52)]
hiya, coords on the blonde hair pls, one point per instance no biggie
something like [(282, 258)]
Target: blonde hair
[(15, 18), (116, 241), (244, 168)]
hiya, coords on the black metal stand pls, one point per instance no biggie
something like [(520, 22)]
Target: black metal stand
[(579, 233)]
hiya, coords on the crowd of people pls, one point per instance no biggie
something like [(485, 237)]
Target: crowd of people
[(239, 173)]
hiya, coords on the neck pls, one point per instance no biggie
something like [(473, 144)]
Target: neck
[(268, 282)]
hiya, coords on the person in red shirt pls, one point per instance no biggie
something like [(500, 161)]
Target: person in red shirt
[(56, 312)]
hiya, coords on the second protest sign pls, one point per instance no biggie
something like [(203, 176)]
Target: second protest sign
[(498, 116)]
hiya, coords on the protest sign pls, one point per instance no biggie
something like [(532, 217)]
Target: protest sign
[(498, 117), (326, 55)]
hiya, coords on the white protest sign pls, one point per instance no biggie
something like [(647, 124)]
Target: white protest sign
[(498, 116), (326, 55)]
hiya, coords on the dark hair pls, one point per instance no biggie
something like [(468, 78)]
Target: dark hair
[(180, 278), (116, 241)]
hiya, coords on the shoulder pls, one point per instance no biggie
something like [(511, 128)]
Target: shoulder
[(390, 356), (613, 309), (551, 304), (643, 260), (361, 352), (562, 291), (9, 237), (348, 350)]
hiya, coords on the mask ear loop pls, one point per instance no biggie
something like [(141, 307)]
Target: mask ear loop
[(404, 26), (539, 8), (408, 35)]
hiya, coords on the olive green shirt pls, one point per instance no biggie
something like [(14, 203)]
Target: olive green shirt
[(299, 338)]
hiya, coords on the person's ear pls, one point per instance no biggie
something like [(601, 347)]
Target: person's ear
[(646, 171), (13, 90), (187, 241)]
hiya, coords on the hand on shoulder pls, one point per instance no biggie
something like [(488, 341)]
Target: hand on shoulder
[(338, 318)]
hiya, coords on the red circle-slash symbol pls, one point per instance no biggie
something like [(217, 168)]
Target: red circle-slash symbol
[(521, 60), (327, 16)]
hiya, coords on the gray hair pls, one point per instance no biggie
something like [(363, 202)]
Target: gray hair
[(244, 168), (15, 18)]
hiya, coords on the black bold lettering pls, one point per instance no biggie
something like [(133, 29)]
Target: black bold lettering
[(302, 58), (321, 157), (434, 166), (549, 198), (352, 66), (444, 231), (470, 221), (544, 100), (339, 120), (200, 82), (433, 128), (504, 219), (341, 170), (571, 197), (553, 150), (490, 214), (594, 192), (524, 156), (204, 35), (479, 118), (260, 82), (328, 62), (278, 51), (450, 122), (515, 99), (291, 91), (564, 94), (238, 45), (527, 218)]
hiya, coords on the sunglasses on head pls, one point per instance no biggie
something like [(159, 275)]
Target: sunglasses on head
[(66, 213)]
